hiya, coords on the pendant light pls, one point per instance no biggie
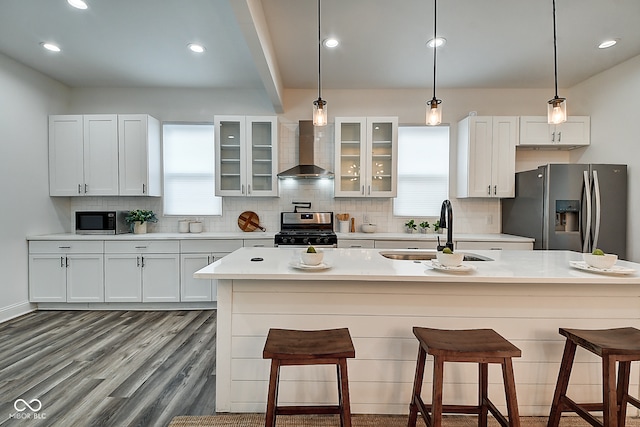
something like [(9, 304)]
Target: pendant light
[(434, 110), (556, 107), (319, 105)]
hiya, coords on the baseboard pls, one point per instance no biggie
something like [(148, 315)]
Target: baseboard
[(16, 310)]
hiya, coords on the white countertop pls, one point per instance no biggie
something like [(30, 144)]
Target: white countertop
[(526, 267), (433, 237)]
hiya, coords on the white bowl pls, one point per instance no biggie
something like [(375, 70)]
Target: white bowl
[(600, 261), (311, 258), (450, 260), (368, 228)]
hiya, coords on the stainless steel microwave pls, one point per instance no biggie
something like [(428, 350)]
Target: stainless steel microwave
[(102, 222)]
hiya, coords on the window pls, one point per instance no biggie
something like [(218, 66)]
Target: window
[(423, 170), (189, 159)]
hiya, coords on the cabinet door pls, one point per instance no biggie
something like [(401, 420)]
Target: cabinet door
[(192, 289), (139, 160), (503, 167), (480, 152), (85, 278), (160, 278), (47, 278), (230, 155), (576, 131), (122, 278), (101, 155), (262, 156), (382, 156), (214, 283), (66, 166), (351, 160), (535, 130)]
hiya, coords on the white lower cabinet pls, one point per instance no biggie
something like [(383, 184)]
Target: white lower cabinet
[(356, 243), (406, 244), (62, 271), (489, 245), (196, 254), (137, 271)]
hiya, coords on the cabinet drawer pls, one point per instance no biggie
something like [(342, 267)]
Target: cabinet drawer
[(496, 245), (143, 246), (259, 243), (209, 245), (406, 244), (65, 247), (356, 243)]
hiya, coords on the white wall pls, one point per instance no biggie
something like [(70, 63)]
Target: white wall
[(611, 98), (28, 98), (477, 216)]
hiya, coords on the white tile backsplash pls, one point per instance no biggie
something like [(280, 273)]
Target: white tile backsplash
[(470, 215)]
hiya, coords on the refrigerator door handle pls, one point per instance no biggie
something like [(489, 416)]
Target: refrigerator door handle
[(596, 190), (587, 224)]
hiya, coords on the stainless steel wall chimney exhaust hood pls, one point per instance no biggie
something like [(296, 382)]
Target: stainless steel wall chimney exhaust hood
[(306, 167)]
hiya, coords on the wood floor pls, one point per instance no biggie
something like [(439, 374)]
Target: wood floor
[(107, 368)]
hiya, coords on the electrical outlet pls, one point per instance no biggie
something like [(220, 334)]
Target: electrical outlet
[(365, 219), (489, 220)]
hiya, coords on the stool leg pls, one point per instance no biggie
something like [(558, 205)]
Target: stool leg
[(610, 409), (483, 393), (343, 394), (624, 371), (417, 387), (272, 399), (562, 384), (510, 390), (438, 383)]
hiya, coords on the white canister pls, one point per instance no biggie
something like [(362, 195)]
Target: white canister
[(343, 226), (183, 226), (195, 227)]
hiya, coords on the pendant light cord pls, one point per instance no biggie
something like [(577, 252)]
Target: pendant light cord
[(435, 23), (555, 53), (319, 49)]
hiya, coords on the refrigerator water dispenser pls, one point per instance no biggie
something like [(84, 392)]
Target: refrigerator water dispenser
[(567, 215)]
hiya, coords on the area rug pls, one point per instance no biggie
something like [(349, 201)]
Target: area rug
[(257, 420)]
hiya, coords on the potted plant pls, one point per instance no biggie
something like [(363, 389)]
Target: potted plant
[(423, 226), (139, 219), (436, 227), (410, 226)]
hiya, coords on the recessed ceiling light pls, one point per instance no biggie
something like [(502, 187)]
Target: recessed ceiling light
[(51, 47), (78, 4), (331, 42), (197, 48), (437, 42), (607, 43)]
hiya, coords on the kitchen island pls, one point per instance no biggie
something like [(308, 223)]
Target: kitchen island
[(524, 295)]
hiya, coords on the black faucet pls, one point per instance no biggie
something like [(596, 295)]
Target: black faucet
[(446, 221)]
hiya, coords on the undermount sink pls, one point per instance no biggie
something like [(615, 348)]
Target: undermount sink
[(427, 255)]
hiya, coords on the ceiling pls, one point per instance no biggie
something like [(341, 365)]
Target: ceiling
[(272, 44)]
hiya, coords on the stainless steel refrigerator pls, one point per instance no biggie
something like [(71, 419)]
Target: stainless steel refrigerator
[(576, 207)]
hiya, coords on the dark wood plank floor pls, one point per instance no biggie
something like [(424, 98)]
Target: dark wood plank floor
[(107, 368)]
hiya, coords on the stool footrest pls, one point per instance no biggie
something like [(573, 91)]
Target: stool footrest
[(308, 410), (583, 409)]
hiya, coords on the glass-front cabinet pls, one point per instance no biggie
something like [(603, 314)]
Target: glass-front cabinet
[(246, 156), (366, 156)]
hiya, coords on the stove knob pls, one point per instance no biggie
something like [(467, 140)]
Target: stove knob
[(305, 240), (326, 240), (318, 240)]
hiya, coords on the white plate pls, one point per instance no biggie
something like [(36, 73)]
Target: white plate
[(616, 269), (462, 268), (301, 266)]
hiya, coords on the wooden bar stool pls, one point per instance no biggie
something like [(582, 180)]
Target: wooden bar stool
[(482, 346), (325, 347), (620, 345)]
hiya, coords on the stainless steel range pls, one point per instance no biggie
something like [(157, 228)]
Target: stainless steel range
[(306, 228)]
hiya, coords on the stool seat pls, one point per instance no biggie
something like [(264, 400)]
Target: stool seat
[(481, 346), (286, 347), (617, 345)]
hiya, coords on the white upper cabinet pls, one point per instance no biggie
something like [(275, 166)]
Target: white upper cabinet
[(487, 156), (246, 156), (366, 156), (83, 155), (139, 160), (536, 132)]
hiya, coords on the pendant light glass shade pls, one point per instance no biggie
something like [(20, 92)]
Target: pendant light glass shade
[(320, 117), (434, 112), (556, 107), (319, 112), (434, 109)]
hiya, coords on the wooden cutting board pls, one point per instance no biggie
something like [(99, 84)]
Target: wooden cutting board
[(249, 221)]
